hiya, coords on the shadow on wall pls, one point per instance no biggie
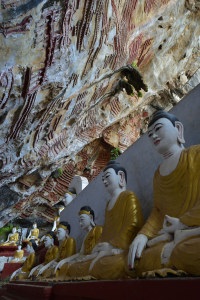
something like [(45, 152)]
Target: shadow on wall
[(140, 161)]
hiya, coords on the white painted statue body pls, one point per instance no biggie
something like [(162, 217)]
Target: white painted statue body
[(167, 139)]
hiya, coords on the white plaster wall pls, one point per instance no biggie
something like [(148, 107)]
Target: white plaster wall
[(140, 161)]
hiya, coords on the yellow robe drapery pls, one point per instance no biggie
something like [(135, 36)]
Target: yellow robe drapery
[(12, 240), (176, 195), (18, 256), (51, 254), (89, 242), (66, 248), (27, 266), (122, 223), (35, 232)]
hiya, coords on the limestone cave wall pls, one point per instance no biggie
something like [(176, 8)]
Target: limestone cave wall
[(79, 78)]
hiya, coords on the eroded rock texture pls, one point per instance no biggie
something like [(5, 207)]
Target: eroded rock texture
[(69, 92)]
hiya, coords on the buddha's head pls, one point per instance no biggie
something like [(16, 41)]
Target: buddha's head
[(49, 239), (14, 230), (86, 217), (165, 131), (34, 225), (63, 230), (114, 176)]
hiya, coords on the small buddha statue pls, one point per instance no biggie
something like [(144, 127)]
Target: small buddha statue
[(12, 238), (66, 248), (33, 234), (93, 233), (23, 272), (18, 255), (169, 241), (50, 254)]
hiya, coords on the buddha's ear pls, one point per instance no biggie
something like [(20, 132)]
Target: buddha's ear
[(180, 128), (122, 180)]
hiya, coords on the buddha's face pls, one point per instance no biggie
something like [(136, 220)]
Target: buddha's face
[(84, 221), (110, 179), (163, 135), (14, 230), (34, 225), (61, 234), (48, 241)]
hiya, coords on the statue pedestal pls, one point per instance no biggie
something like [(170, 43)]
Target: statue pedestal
[(9, 268), (137, 289), (26, 291), (7, 250)]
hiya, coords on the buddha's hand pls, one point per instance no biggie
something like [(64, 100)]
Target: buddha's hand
[(171, 224), (41, 270), (15, 273), (136, 248), (102, 247), (32, 271), (61, 263), (164, 237)]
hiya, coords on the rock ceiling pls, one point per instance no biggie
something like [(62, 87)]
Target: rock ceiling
[(73, 86)]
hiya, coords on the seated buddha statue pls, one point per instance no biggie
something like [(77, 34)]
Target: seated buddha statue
[(66, 248), (123, 220), (12, 238), (93, 233), (169, 241), (50, 254), (18, 255), (33, 234), (23, 272)]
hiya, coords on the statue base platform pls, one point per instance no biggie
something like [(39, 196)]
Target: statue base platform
[(137, 289), (7, 250), (9, 268)]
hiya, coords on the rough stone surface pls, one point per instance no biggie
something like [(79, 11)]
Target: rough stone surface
[(69, 93)]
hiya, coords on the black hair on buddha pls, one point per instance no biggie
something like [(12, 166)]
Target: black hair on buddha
[(52, 234), (66, 224), (33, 243), (88, 208), (161, 113), (113, 164)]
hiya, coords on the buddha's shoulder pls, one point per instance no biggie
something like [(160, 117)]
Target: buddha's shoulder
[(128, 194), (193, 150), (98, 228), (69, 240)]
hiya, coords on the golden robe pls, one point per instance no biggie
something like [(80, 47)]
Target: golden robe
[(89, 242), (12, 240), (51, 254), (27, 266), (34, 234), (66, 248), (176, 195), (18, 255), (122, 223)]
